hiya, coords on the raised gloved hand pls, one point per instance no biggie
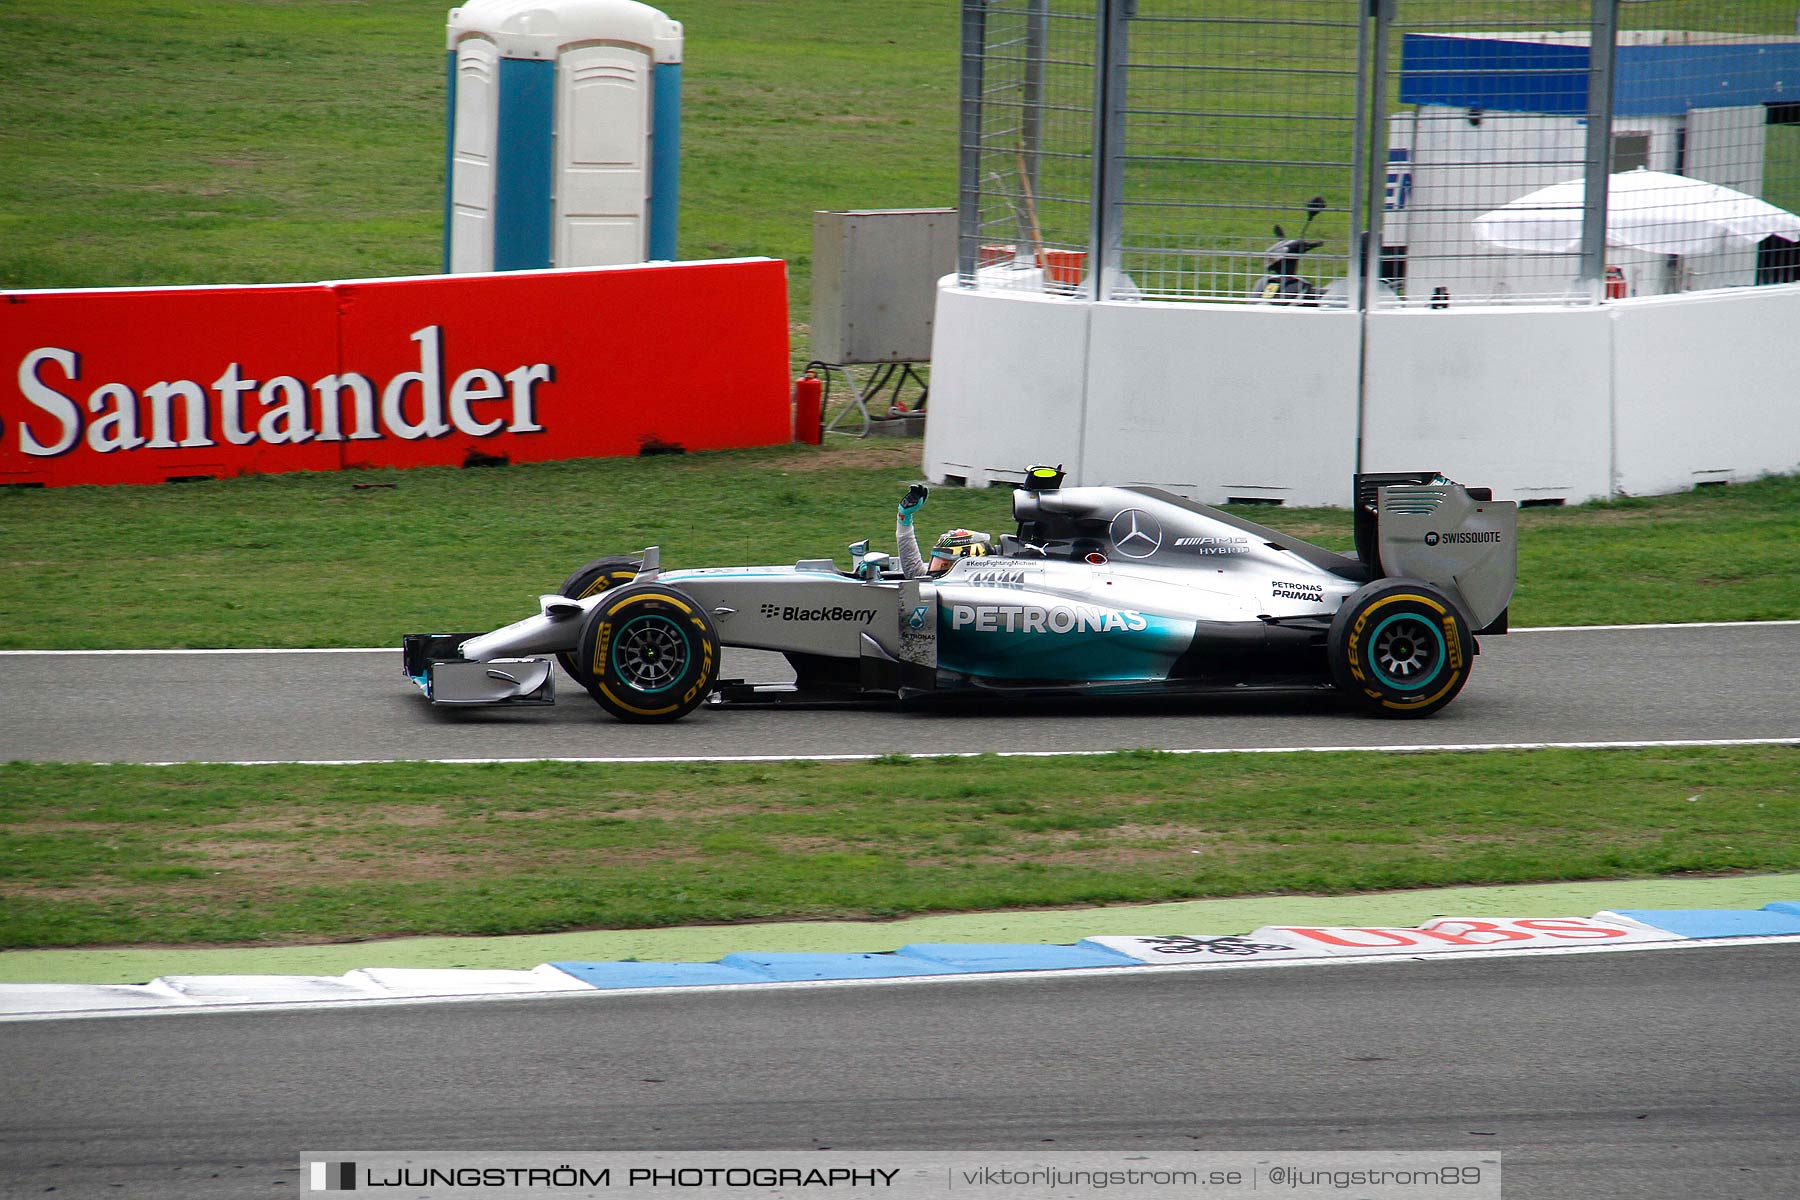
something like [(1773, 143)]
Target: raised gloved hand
[(912, 502)]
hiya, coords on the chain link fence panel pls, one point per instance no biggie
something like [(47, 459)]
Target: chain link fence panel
[(1228, 151)]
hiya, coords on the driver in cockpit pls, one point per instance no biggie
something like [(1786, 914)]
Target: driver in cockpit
[(954, 544)]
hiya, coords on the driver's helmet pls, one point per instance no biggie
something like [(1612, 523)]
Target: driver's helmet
[(955, 544)]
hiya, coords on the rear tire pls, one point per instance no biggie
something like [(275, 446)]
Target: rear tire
[(650, 652), (603, 574), (1400, 648)]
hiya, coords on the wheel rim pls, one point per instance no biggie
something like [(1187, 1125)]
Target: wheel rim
[(1406, 652), (650, 653)]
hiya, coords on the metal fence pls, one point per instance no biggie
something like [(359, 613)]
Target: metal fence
[(1028, 144), (1350, 153)]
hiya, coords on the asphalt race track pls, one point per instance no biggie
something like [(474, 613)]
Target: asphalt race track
[(1647, 683), (1620, 1076)]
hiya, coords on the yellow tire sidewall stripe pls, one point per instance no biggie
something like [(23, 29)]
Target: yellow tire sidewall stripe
[(1353, 647)]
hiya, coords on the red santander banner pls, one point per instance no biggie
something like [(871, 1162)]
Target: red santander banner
[(140, 385)]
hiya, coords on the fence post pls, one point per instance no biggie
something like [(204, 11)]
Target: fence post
[(1370, 151), (1368, 199), (1602, 54), (1106, 235), (974, 48), (1031, 115)]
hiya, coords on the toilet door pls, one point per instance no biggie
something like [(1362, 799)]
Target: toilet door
[(602, 155), (472, 157)]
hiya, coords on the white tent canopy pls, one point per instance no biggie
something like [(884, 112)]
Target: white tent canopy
[(1646, 210)]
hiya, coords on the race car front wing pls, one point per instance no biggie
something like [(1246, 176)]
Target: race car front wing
[(435, 665)]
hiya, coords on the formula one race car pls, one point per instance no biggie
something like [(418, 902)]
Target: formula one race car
[(1101, 591)]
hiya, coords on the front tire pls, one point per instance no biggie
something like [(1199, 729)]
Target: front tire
[(1400, 648), (650, 654), (600, 575)]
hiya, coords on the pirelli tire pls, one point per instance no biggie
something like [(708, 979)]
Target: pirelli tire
[(650, 653), (601, 575), (1400, 648)]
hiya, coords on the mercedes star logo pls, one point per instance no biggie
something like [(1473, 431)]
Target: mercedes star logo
[(1136, 534)]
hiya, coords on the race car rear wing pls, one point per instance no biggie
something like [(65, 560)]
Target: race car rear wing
[(1420, 525)]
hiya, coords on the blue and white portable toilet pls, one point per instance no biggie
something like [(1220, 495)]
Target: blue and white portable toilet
[(564, 144)]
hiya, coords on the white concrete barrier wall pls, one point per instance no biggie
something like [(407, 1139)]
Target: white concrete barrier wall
[(1706, 388), (1011, 372), (1513, 399), (1221, 401)]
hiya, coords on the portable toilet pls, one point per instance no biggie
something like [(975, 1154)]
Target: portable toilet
[(564, 142)]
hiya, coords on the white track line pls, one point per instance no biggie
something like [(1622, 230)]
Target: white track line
[(242, 650), (396, 649), (617, 760), (1653, 625)]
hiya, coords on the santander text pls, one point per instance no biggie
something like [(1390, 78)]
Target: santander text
[(281, 410)]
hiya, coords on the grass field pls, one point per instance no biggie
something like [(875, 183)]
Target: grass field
[(282, 855)]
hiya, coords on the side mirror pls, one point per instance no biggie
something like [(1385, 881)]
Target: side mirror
[(872, 564), (857, 550)]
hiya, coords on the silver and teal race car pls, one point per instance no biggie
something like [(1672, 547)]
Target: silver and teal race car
[(1100, 591)]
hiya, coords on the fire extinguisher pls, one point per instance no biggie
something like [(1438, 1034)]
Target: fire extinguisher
[(1616, 287), (809, 409)]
